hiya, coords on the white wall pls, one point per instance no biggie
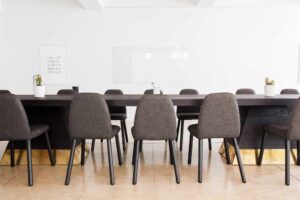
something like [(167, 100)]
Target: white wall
[(229, 47)]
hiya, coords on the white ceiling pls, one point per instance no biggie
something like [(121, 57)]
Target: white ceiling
[(193, 3)]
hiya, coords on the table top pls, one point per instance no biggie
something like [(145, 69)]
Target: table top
[(182, 100)]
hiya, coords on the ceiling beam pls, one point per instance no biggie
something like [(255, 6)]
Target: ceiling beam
[(205, 2), (91, 4)]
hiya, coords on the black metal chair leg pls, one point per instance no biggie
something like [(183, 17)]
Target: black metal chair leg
[(200, 160), (209, 144), (181, 135), (136, 163), (226, 147), (93, 145), (287, 161), (82, 152), (262, 149), (52, 160), (177, 130), (12, 154), (69, 170), (111, 164), (123, 136), (173, 155), (118, 150), (238, 156), (298, 152), (125, 130), (190, 149), (133, 152), (29, 163), (141, 145)]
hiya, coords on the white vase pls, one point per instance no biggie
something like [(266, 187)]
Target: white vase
[(39, 91), (156, 90), (270, 91)]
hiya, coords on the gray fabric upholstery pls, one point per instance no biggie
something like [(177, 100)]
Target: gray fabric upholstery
[(117, 112), (218, 118), (188, 112), (294, 124), (89, 118), (245, 91), (277, 129), (38, 129), (289, 91), (154, 119), (244, 110), (14, 124), (150, 91), (66, 92), (4, 92)]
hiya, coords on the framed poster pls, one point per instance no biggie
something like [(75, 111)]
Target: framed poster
[(54, 69)]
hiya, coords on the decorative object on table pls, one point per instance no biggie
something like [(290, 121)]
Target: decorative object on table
[(155, 88), (269, 87), (39, 88), (54, 65)]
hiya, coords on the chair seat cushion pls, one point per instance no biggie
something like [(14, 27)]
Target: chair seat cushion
[(277, 129), (37, 130), (193, 129), (118, 116), (186, 116), (115, 130)]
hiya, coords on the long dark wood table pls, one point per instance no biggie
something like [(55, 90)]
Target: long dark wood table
[(182, 100), (256, 110)]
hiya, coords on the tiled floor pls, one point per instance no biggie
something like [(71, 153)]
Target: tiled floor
[(155, 178)]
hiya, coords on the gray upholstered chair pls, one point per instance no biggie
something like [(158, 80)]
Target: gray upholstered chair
[(154, 120), (218, 118), (151, 91), (89, 119), (243, 116), (117, 113), (288, 132), (289, 91), (66, 92), (245, 91), (187, 113), (14, 126), (5, 92)]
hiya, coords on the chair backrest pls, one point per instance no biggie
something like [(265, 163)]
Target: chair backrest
[(289, 91), (219, 116), (245, 91), (188, 109), (155, 118), (151, 91), (294, 125), (66, 92), (116, 109), (5, 92), (89, 117), (14, 123)]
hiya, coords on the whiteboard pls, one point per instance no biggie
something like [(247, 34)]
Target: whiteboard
[(166, 64)]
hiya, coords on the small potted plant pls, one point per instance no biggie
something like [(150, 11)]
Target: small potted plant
[(269, 87), (39, 88)]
